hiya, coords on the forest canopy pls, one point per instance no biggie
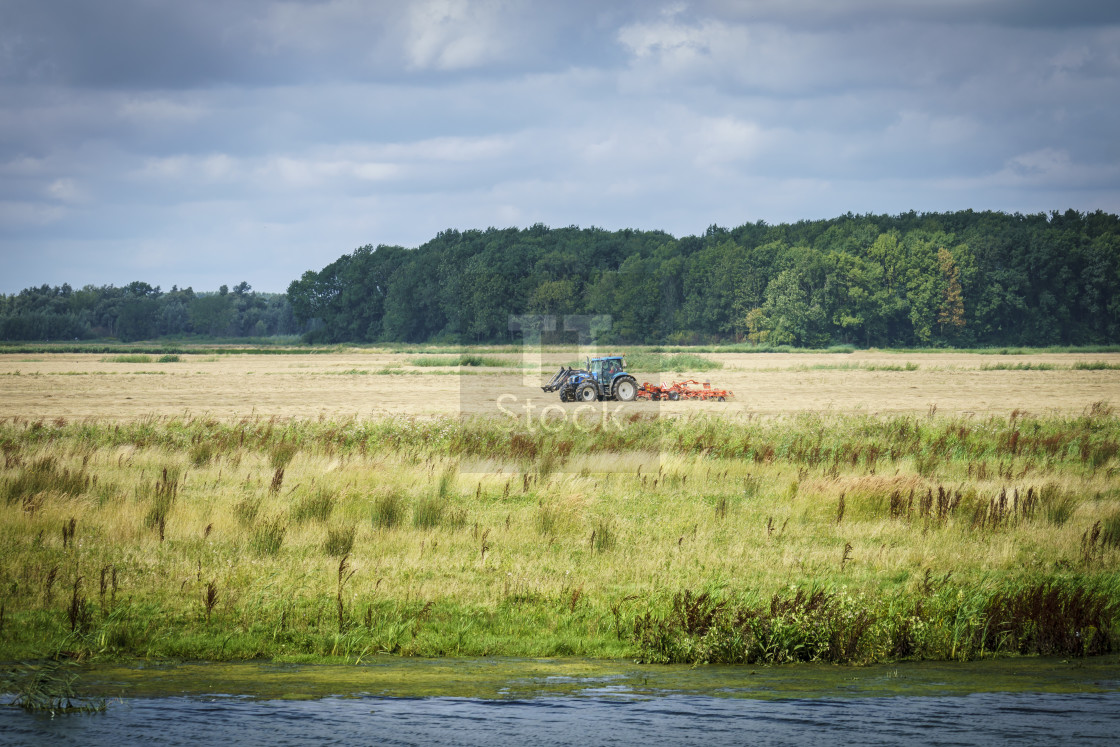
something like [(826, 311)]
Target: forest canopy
[(917, 279), (138, 311), (956, 279)]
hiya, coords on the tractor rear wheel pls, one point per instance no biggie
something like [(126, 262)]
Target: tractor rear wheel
[(625, 389), (587, 393)]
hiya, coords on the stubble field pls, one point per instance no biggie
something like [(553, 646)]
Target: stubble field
[(370, 384)]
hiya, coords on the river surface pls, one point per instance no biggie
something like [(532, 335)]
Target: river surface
[(521, 702)]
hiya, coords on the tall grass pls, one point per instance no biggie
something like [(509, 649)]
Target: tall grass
[(1030, 366), (1095, 366), (811, 537), (465, 360), (316, 505), (388, 510), (49, 688), (268, 535), (640, 362), (829, 624)]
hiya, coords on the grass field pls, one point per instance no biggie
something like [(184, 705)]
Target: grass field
[(882, 506), (372, 383)]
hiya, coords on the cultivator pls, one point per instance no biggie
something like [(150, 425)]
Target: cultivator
[(690, 389)]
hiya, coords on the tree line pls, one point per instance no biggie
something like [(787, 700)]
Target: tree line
[(917, 279), (957, 279), (139, 311)]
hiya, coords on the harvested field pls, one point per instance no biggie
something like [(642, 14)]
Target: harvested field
[(373, 383)]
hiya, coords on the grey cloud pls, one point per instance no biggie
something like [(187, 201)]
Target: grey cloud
[(211, 142), (141, 44), (839, 15)]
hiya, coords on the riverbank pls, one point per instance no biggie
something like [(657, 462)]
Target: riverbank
[(835, 538)]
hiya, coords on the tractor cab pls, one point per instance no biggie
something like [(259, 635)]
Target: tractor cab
[(604, 370)]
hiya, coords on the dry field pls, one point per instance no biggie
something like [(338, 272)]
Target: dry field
[(372, 383)]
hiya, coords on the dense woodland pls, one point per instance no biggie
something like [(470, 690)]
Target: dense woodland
[(138, 311), (960, 279)]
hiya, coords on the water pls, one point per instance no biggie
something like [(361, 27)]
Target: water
[(524, 703)]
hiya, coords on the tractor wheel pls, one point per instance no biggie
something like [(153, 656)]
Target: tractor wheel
[(674, 396), (566, 394), (721, 399), (625, 390), (587, 393)]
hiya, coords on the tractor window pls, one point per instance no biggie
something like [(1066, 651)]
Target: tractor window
[(596, 368)]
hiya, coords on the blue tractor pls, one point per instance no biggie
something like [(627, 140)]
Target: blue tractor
[(603, 379)]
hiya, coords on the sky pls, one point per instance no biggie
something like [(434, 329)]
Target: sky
[(208, 142)]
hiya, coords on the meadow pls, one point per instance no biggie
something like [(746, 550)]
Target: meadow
[(679, 532)]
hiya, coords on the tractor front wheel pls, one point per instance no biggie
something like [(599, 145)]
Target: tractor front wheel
[(587, 393)]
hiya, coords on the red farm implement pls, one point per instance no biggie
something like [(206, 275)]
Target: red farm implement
[(690, 389)]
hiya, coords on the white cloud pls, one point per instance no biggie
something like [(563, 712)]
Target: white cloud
[(674, 43), (456, 34), (723, 140), (67, 190)]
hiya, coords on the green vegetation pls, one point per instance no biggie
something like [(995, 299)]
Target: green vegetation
[(1017, 367), (963, 279), (666, 362), (138, 311), (703, 539), (130, 358), (47, 688), (1095, 366), (465, 359), (646, 361)]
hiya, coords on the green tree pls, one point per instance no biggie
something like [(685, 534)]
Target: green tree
[(950, 313)]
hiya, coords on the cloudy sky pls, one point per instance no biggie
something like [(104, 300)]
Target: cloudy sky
[(203, 142)]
